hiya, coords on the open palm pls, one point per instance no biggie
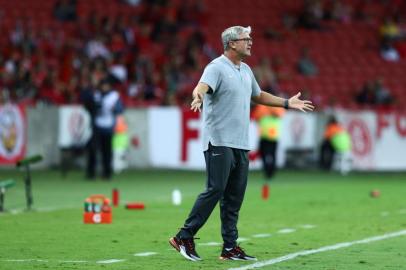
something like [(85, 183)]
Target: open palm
[(302, 105)]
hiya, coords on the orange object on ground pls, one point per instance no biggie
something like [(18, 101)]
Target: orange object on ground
[(97, 210), (116, 197), (265, 191), (135, 206)]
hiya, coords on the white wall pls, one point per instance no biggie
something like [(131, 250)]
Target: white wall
[(171, 138)]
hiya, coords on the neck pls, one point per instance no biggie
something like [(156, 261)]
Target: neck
[(234, 57)]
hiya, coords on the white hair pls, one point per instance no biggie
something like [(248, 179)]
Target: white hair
[(233, 33)]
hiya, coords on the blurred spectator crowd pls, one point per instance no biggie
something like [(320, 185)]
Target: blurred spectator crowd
[(151, 56), (155, 54)]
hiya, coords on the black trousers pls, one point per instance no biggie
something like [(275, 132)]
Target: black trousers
[(101, 141), (267, 150), (227, 173), (327, 153)]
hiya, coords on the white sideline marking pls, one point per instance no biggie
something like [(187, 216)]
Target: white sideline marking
[(287, 230), (144, 254), (322, 249), (73, 261), (111, 261), (262, 235), (209, 244), (307, 226), (242, 239)]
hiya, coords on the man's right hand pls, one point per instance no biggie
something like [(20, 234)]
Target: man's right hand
[(197, 101), (198, 94)]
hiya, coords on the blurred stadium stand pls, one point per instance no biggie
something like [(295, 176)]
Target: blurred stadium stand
[(165, 45)]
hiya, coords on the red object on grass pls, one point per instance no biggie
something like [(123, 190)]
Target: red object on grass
[(135, 206), (115, 197), (265, 191)]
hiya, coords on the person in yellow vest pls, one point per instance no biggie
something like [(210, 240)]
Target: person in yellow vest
[(336, 147), (120, 144), (269, 120)]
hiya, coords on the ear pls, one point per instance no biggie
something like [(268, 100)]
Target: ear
[(232, 44)]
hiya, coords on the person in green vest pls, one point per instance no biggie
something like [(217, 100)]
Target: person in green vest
[(121, 142), (269, 120), (336, 147)]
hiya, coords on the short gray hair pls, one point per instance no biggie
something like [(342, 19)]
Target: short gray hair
[(233, 33)]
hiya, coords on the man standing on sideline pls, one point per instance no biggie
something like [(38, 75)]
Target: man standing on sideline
[(226, 88), (106, 104)]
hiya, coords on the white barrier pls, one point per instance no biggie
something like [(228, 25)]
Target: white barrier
[(379, 139), (168, 137)]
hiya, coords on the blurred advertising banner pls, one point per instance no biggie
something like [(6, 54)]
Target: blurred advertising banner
[(74, 127), (170, 137), (175, 138), (378, 139), (13, 129), (138, 130), (298, 130)]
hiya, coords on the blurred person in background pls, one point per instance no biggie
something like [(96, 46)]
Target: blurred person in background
[(104, 105), (65, 10), (390, 34), (336, 147), (226, 88), (269, 120), (375, 94), (366, 96), (118, 69), (121, 142), (311, 15), (382, 94), (388, 51), (389, 30), (338, 11), (305, 64)]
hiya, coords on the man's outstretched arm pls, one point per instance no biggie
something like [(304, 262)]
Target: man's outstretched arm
[(292, 103)]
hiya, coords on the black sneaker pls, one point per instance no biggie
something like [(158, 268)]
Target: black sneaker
[(186, 247), (236, 253)]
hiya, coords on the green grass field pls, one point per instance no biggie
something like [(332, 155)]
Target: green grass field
[(53, 236)]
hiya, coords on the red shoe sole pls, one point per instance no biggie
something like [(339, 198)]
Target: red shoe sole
[(173, 244)]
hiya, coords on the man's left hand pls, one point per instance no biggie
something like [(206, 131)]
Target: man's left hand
[(301, 105)]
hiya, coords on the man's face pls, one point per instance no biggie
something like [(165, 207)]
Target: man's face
[(242, 45)]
